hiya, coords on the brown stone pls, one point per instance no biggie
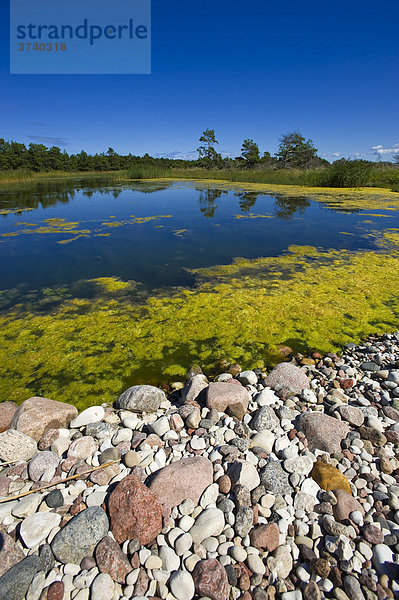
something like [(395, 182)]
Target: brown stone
[(56, 591), (374, 436), (110, 559), (352, 414), (37, 415), (185, 478), (48, 438), (135, 511), (223, 395), (392, 436), (141, 584), (7, 411), (329, 477), (321, 567), (234, 370), (104, 476), (210, 579), (311, 591), (4, 486), (224, 483), (265, 536), (373, 534), (323, 432), (10, 552), (345, 505)]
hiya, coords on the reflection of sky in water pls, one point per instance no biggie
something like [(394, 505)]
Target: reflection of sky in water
[(153, 232)]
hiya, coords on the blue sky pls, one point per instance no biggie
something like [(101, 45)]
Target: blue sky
[(254, 69)]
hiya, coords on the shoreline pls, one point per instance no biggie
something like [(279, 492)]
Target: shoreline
[(256, 486)]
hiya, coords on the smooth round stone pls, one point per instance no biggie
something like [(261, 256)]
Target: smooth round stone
[(210, 544), (210, 495), (174, 534), (263, 439), (209, 523), (382, 554), (197, 443), (183, 543), (191, 561), (54, 499), (35, 528), (93, 414), (170, 560), (153, 562), (182, 585), (239, 554), (255, 564), (248, 378), (102, 587), (186, 522), (160, 427), (131, 577)]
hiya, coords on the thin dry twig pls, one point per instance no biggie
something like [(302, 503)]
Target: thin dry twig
[(49, 485), (10, 462)]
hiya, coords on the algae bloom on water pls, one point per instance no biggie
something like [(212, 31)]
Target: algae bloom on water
[(84, 342)]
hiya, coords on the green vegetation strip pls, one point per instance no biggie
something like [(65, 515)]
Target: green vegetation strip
[(86, 351)]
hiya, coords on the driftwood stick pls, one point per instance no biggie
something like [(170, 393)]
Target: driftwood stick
[(49, 485), (10, 462)]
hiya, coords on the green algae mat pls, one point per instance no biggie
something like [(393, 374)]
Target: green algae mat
[(105, 286)]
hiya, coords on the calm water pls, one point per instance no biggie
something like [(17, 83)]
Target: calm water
[(152, 233)]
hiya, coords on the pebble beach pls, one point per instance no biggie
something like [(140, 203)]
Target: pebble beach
[(253, 485)]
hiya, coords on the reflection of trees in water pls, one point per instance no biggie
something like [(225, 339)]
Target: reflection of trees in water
[(49, 193), (285, 208), (207, 201), (247, 200)]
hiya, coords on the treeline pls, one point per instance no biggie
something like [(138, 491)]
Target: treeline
[(295, 163), (294, 152), (38, 157)]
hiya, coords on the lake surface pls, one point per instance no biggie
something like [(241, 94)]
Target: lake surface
[(56, 233), (106, 285)]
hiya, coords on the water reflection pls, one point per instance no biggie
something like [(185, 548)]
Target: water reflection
[(207, 201), (285, 208), (43, 194), (247, 200)]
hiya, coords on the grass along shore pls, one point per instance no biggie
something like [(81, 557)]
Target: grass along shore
[(349, 175)]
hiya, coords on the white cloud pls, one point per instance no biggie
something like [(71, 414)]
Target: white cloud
[(380, 150)]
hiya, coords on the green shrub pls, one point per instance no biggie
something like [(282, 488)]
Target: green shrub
[(347, 173)]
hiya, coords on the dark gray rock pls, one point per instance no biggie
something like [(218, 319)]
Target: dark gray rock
[(264, 418), (54, 499), (100, 430), (108, 455), (80, 535), (16, 581), (47, 557), (244, 521), (352, 588), (141, 398), (369, 366), (275, 479)]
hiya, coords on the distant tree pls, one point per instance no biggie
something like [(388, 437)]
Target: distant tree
[(208, 157), (396, 159), (37, 157), (250, 153), (295, 151), (268, 160)]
